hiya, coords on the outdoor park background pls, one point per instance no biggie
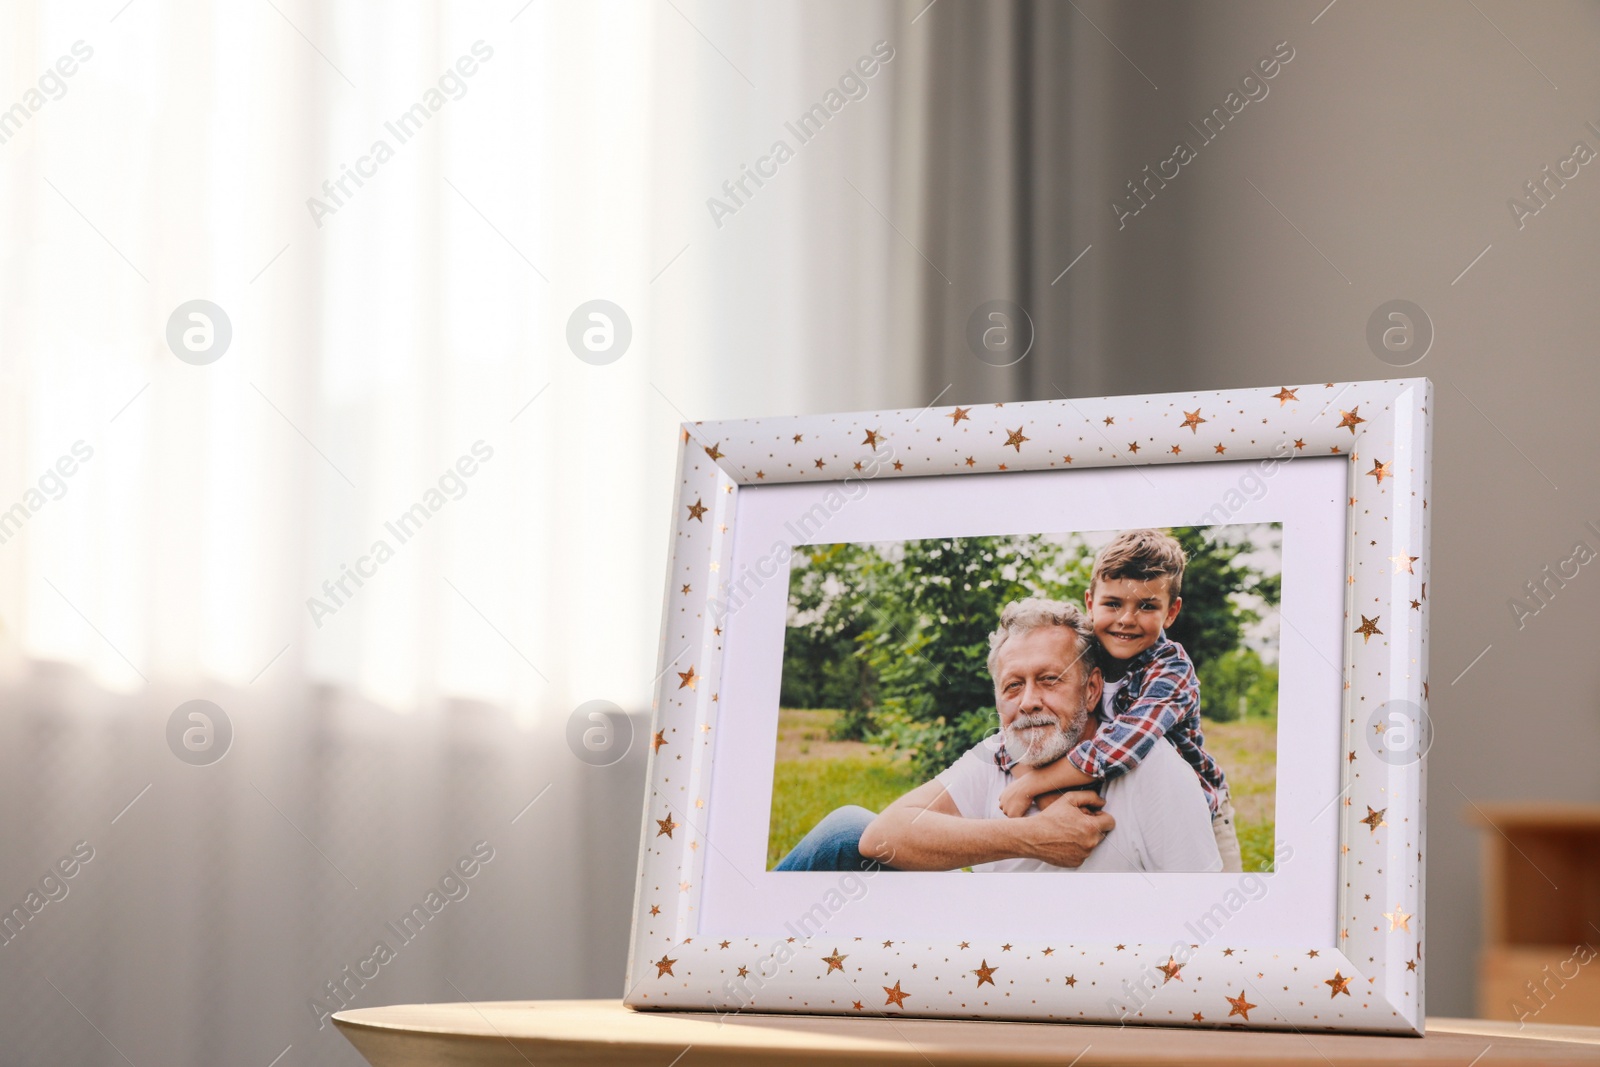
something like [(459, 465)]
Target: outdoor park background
[(885, 676)]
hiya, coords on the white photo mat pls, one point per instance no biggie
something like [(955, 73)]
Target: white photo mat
[(742, 897), (1333, 941)]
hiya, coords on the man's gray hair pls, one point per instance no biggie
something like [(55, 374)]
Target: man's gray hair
[(1023, 616)]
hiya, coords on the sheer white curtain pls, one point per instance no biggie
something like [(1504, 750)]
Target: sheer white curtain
[(396, 332)]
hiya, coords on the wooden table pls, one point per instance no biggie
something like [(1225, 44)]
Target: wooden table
[(553, 1033)]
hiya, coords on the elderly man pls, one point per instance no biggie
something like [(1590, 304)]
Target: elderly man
[(1154, 818)]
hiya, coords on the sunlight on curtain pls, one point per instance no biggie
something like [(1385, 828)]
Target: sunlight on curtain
[(397, 227), (389, 332), (398, 375)]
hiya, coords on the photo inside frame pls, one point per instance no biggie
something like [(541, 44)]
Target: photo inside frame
[(888, 683), (1261, 619)]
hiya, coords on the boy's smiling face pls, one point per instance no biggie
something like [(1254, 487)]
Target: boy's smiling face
[(1129, 614)]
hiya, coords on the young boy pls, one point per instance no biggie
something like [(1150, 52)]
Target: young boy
[(1151, 691)]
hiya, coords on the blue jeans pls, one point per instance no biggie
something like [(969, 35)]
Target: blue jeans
[(834, 844)]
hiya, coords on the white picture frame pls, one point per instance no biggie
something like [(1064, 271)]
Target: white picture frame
[(1370, 978)]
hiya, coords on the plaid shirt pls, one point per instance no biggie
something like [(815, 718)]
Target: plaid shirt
[(1160, 697)]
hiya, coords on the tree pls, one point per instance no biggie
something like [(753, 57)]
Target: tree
[(1216, 590), (1239, 674), (828, 590)]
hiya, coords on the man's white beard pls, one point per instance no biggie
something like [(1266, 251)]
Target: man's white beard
[(1042, 747)]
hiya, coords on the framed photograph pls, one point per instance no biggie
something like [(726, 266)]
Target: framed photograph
[(917, 666)]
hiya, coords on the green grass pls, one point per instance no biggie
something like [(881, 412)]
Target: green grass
[(1255, 844), (1248, 754), (803, 791)]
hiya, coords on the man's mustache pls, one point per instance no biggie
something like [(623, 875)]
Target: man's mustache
[(1026, 746)]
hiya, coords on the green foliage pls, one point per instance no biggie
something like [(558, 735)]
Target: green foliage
[(1216, 586), (829, 595), (1237, 674)]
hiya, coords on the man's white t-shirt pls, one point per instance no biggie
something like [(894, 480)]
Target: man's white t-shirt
[(1108, 692), (1163, 820)]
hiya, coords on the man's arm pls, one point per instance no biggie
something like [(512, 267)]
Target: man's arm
[(923, 831), (1052, 776), (1170, 694)]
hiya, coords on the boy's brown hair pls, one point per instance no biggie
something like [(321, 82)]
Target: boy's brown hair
[(1142, 555)]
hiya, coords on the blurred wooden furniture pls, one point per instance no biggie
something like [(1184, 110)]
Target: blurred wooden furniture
[(1541, 912), (557, 1033)]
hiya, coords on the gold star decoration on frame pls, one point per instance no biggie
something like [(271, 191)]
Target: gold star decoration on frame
[(1241, 1006), (1284, 395), (1171, 970), (697, 510), (1368, 628), (985, 973), (687, 678), (1374, 819), (666, 825), (1350, 420), (835, 962), (1380, 471), (1338, 984), (897, 996), (1192, 420), (1014, 438), (958, 414), (1398, 920), (664, 966)]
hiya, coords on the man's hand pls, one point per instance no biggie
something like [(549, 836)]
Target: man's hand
[(1044, 800), (1015, 799), (1065, 834)]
